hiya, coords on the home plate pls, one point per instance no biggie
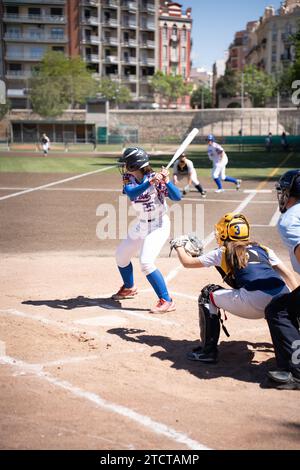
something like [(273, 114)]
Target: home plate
[(111, 320)]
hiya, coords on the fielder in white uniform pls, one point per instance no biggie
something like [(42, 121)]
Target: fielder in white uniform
[(255, 273), (218, 156), (147, 191), (184, 169)]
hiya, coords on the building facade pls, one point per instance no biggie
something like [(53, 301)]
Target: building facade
[(270, 47), (117, 39)]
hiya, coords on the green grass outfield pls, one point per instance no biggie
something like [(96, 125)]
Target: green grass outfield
[(253, 163)]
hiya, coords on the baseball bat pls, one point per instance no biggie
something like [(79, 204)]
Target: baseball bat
[(183, 146)]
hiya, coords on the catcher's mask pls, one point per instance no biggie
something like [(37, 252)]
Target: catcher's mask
[(234, 227), (133, 159), (288, 186)]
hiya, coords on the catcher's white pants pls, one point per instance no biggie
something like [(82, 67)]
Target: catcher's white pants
[(219, 169), (147, 238), (244, 303), (193, 175)]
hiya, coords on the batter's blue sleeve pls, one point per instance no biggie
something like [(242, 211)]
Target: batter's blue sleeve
[(135, 191), (173, 192)]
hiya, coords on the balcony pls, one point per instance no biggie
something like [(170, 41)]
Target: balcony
[(147, 44), (110, 4), (112, 76), (129, 24), (147, 61), (111, 59), (147, 25), (89, 3), (174, 38), (92, 58), (112, 41), (48, 19), (129, 60), (56, 38), (146, 79), (22, 56), (131, 6), (130, 43), (90, 20), (34, 2), (90, 40), (110, 23), (129, 78), (147, 8), (18, 74)]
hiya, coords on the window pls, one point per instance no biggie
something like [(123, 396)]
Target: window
[(33, 11), (58, 33), (183, 72), (183, 34), (12, 10), (34, 33), (36, 52), (174, 30), (14, 31), (56, 11), (58, 48), (183, 54), (165, 53), (165, 33)]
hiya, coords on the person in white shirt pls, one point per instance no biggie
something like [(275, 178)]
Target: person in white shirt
[(219, 158), (184, 170)]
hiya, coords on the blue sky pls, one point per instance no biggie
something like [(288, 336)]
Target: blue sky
[(216, 21)]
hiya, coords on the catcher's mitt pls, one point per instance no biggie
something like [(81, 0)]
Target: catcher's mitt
[(191, 243)]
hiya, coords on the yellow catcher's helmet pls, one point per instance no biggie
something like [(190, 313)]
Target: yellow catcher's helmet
[(232, 227)]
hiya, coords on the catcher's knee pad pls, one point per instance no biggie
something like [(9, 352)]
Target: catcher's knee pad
[(209, 321)]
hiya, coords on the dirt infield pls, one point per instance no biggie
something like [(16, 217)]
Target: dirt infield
[(80, 371)]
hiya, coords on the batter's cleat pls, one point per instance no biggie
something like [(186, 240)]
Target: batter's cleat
[(204, 194), (125, 293), (184, 193), (163, 306), (198, 354), (280, 376), (238, 184), (221, 190)]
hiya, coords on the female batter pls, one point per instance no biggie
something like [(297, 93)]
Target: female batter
[(255, 273), (147, 191)]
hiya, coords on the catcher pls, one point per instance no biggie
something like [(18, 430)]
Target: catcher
[(253, 271)]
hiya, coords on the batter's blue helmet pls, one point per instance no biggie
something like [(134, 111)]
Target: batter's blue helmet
[(210, 137)]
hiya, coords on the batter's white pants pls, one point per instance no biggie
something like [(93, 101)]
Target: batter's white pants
[(193, 175), (219, 169), (153, 236), (243, 303)]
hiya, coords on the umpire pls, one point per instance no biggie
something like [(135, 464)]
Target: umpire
[(283, 313)]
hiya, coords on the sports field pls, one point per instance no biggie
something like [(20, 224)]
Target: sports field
[(80, 371)]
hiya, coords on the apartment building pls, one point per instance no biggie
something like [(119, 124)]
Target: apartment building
[(117, 38), (175, 28), (270, 46)]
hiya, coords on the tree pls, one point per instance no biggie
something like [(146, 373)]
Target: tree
[(170, 87), (60, 82), (4, 108), (202, 97), (113, 92), (259, 85), (228, 85)]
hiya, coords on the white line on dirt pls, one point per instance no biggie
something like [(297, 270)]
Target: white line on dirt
[(149, 317), (143, 420), (172, 274), (275, 218), (67, 360), (72, 178)]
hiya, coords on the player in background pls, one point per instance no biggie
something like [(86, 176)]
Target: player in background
[(283, 314), (147, 192), (219, 158), (184, 169), (45, 141), (255, 273)]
